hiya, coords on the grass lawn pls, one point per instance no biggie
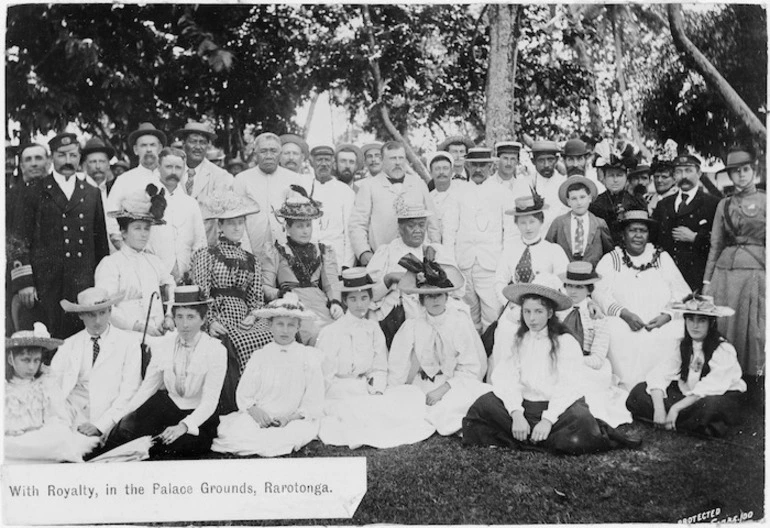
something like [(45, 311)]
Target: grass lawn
[(672, 476)]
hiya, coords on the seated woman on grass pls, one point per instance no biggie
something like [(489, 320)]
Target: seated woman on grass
[(700, 388), (440, 351), (306, 268), (281, 393), (360, 409), (536, 399)]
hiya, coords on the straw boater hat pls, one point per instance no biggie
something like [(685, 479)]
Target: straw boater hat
[(427, 277), (528, 205), (91, 300), (37, 337), (147, 204), (191, 295), (545, 147), (637, 215), (572, 180), (456, 140), (356, 279), (580, 273), (701, 305), (196, 128), (504, 147), (226, 205), (299, 206), (146, 129), (406, 210), (544, 285), (480, 155), (369, 146), (287, 306)]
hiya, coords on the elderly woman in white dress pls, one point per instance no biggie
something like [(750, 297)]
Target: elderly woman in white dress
[(439, 352), (360, 409), (281, 393), (638, 281), (135, 271)]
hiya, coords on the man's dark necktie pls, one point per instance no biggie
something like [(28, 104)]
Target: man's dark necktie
[(95, 348)]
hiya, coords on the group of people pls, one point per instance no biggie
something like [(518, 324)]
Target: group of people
[(253, 313)]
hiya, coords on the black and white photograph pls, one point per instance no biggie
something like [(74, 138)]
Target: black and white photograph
[(414, 263)]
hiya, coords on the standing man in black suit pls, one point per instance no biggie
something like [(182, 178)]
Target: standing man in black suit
[(61, 228), (685, 221)]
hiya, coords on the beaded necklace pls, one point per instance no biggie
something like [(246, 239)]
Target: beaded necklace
[(643, 267)]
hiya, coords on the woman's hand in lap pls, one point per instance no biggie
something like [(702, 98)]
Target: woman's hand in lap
[(261, 417), (541, 431), (520, 426), (172, 433)]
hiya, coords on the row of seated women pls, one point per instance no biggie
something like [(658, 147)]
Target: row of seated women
[(350, 391)]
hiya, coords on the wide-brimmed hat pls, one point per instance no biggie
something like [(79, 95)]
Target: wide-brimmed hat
[(410, 209), (738, 158), (293, 138), (196, 128), (579, 273), (299, 206), (528, 205), (189, 295), (637, 215), (37, 337), (350, 147), (545, 147), (455, 140), (544, 285), (356, 279), (228, 204), (503, 147), (146, 129), (426, 277), (96, 144), (91, 300), (575, 147), (287, 306), (441, 155), (701, 305), (369, 146), (480, 155), (572, 180), (146, 204)]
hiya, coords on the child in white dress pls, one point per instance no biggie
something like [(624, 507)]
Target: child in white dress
[(280, 395)]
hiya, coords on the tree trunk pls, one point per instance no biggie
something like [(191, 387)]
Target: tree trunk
[(712, 76), (379, 88), (596, 123), (501, 74), (310, 112)]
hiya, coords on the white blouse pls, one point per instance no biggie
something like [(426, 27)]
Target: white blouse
[(724, 372), (202, 379), (529, 374), (354, 348), (281, 380), (547, 257)]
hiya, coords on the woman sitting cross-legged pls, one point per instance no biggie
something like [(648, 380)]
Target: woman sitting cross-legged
[(536, 398), (281, 394), (700, 388), (360, 409), (177, 401), (439, 352)]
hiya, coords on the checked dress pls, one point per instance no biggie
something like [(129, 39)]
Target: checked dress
[(233, 278)]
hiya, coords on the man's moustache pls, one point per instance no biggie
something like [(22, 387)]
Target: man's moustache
[(67, 166), (173, 177)]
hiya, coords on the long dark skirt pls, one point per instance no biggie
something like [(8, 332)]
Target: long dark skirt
[(152, 418), (708, 416), (575, 432)]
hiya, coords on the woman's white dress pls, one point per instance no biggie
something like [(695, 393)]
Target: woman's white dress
[(35, 424), (279, 380), (429, 351), (645, 293), (360, 409)]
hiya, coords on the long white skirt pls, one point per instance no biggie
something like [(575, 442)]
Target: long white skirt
[(634, 354), (238, 433), (447, 415), (605, 399), (355, 418), (52, 442)]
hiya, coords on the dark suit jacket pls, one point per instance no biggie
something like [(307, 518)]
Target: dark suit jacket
[(598, 239), (698, 215)]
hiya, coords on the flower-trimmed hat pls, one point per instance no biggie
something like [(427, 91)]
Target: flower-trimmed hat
[(191, 295), (428, 277), (701, 305), (226, 205), (406, 210), (148, 204), (528, 205), (580, 273), (91, 300), (287, 306), (300, 206), (573, 180), (544, 285), (356, 279), (37, 337)]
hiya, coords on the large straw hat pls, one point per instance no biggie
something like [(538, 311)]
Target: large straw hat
[(528, 205), (196, 128), (147, 204), (406, 210), (226, 205), (37, 337), (544, 285), (573, 180), (91, 300), (701, 305), (299, 206), (356, 279), (425, 277), (637, 215), (287, 306)]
